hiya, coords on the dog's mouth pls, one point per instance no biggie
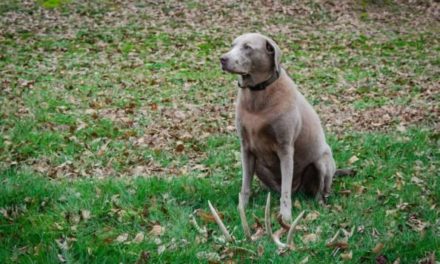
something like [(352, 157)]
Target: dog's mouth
[(226, 69)]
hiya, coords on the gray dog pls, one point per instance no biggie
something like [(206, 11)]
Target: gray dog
[(282, 140)]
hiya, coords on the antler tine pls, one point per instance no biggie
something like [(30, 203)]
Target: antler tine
[(220, 223), (243, 219), (292, 228), (268, 224)]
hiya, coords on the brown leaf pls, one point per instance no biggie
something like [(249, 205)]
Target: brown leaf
[(260, 250), (381, 259), (153, 106), (208, 217), (378, 248), (210, 257), (309, 238), (347, 255), (359, 189), (297, 204), (259, 233), (180, 115), (230, 128), (143, 257), (338, 244), (138, 238), (179, 146), (353, 159), (345, 192), (416, 224), (417, 181), (157, 230), (313, 215), (122, 238), (429, 260)]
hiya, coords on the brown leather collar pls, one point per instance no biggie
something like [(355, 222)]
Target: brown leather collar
[(262, 85)]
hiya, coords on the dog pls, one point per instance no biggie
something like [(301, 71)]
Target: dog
[(281, 137)]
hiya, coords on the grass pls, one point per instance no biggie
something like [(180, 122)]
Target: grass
[(42, 211), (116, 121)]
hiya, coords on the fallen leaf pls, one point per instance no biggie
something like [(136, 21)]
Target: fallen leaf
[(153, 106), (62, 244), (122, 238), (179, 146), (359, 189), (260, 250), (353, 159), (208, 217), (138, 238), (297, 204), (347, 255), (345, 192), (58, 226), (157, 230), (337, 208), (61, 258), (401, 128), (211, 257), (230, 128), (417, 181), (309, 238), (381, 259), (305, 260), (416, 224), (143, 257), (378, 248), (338, 244), (313, 215), (161, 249), (85, 215), (180, 115), (429, 259), (391, 212), (259, 233)]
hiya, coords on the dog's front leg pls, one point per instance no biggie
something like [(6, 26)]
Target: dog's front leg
[(248, 167), (285, 154)]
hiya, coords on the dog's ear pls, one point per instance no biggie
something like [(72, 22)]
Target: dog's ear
[(273, 49)]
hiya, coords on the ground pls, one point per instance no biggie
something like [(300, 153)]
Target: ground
[(117, 126)]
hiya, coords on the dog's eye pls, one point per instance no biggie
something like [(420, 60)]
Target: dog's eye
[(247, 47)]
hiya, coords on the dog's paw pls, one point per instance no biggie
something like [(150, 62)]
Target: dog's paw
[(286, 215)]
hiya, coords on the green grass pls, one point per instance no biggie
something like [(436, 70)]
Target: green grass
[(120, 110), (40, 211)]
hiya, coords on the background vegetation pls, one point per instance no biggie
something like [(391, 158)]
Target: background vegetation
[(117, 125)]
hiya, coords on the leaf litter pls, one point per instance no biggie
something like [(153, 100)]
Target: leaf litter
[(179, 123)]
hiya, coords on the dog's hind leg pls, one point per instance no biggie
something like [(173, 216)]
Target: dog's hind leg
[(318, 177), (326, 167)]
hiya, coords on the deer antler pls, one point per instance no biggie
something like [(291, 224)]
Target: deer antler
[(276, 236), (267, 222), (244, 223), (220, 223)]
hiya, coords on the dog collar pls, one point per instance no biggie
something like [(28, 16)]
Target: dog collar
[(262, 85)]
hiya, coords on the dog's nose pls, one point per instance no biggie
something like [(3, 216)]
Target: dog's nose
[(223, 60)]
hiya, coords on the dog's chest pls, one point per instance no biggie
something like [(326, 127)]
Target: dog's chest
[(257, 132)]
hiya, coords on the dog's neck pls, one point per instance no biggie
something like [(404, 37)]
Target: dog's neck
[(257, 82)]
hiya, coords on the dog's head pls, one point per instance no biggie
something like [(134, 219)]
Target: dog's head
[(252, 53)]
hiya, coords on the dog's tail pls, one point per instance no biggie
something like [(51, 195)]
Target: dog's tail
[(345, 172)]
